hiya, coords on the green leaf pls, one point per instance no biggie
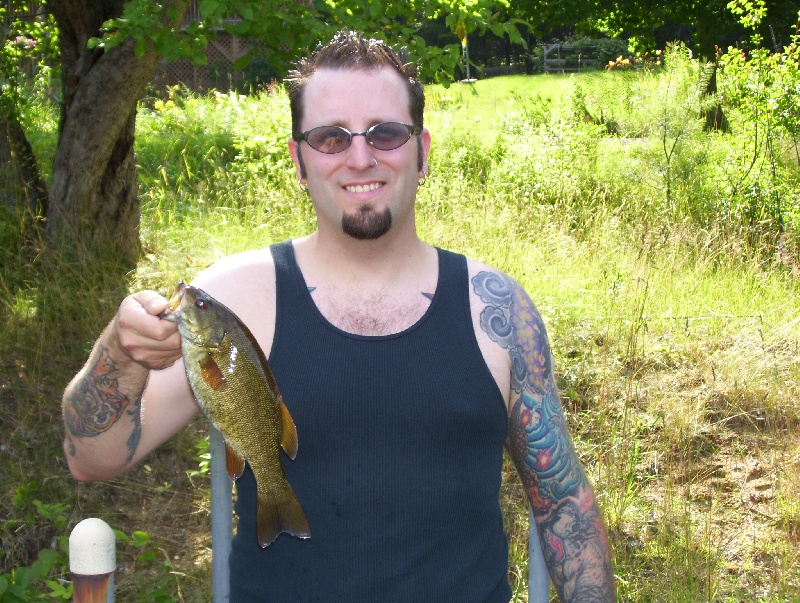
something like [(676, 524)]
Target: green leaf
[(140, 47), (22, 577), (208, 7), (245, 11), (513, 34), (147, 557), (58, 590), (42, 566), (375, 8), (50, 510), (242, 62), (199, 57), (16, 594)]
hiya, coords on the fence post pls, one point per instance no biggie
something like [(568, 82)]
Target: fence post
[(221, 518), (92, 560), (538, 578)]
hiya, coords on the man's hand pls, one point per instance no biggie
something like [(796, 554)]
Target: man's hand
[(142, 335)]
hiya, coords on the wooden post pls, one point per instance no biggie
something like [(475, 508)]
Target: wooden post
[(92, 560)]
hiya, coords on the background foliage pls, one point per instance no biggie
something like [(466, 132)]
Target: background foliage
[(663, 258)]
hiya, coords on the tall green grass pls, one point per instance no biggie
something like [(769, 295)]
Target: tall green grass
[(653, 250)]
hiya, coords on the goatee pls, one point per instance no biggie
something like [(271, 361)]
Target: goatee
[(366, 224)]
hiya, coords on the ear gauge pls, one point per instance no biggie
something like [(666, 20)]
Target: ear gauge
[(422, 179), (303, 185)]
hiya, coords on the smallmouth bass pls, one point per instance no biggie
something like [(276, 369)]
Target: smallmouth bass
[(234, 385)]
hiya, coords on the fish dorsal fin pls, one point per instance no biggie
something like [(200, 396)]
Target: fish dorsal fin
[(234, 462), (288, 432)]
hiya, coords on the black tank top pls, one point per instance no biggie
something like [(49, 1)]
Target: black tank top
[(399, 460)]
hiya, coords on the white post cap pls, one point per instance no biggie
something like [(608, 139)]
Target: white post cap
[(92, 548)]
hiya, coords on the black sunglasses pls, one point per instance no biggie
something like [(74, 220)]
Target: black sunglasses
[(385, 136)]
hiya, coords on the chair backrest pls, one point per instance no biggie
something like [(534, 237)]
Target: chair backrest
[(222, 530)]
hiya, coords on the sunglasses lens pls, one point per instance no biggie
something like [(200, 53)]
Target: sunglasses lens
[(328, 139), (388, 136)]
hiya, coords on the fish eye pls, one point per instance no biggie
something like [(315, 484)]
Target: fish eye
[(202, 303)]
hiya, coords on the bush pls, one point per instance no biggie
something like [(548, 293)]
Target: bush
[(601, 49)]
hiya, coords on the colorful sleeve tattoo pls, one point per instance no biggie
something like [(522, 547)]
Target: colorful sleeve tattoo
[(573, 537), (96, 404)]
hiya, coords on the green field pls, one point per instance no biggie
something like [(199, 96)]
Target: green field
[(663, 258)]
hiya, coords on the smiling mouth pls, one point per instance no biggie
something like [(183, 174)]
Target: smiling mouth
[(363, 188)]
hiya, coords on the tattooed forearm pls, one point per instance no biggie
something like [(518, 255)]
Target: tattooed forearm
[(572, 533), (576, 550), (136, 434), (538, 438), (96, 403), (571, 530)]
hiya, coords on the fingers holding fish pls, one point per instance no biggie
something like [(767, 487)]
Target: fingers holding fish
[(143, 335)]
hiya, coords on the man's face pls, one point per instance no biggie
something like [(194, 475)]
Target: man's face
[(350, 192)]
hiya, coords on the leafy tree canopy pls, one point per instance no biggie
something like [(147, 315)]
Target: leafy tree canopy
[(291, 28)]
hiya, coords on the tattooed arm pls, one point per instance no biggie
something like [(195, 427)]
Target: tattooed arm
[(102, 406), (573, 537)]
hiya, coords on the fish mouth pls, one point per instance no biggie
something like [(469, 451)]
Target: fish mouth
[(174, 303)]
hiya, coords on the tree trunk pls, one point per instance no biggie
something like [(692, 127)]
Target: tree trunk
[(94, 203), (21, 184), (714, 117)]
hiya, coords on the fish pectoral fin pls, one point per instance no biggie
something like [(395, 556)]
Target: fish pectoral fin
[(234, 462), (281, 514), (211, 373), (288, 432)]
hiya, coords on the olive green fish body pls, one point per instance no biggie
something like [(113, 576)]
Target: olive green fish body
[(234, 386)]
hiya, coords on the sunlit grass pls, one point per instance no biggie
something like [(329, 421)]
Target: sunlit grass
[(673, 320)]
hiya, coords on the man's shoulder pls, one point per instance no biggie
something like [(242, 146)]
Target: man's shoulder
[(480, 272), (237, 278), (491, 287), (235, 266)]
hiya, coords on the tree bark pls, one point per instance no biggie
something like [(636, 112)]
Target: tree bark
[(94, 202), (715, 117), (21, 184)]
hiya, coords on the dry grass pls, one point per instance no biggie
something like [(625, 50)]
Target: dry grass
[(677, 352)]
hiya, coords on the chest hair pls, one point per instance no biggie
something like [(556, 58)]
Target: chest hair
[(373, 314)]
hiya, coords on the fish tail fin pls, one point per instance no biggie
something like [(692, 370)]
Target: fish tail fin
[(280, 514)]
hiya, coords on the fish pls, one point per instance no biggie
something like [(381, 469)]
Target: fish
[(234, 386)]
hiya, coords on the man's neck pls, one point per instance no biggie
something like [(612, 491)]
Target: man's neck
[(368, 287), (369, 263)]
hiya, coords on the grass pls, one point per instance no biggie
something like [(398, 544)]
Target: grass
[(673, 314)]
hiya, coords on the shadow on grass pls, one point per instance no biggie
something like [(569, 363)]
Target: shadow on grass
[(53, 304)]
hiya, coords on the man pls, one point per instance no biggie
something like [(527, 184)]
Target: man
[(406, 369)]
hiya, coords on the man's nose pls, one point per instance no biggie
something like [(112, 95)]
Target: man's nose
[(361, 154)]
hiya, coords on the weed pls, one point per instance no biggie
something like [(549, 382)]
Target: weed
[(659, 256)]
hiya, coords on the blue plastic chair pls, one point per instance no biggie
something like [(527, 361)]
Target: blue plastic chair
[(222, 529)]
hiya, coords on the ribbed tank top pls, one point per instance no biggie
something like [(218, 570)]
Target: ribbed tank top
[(399, 461)]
